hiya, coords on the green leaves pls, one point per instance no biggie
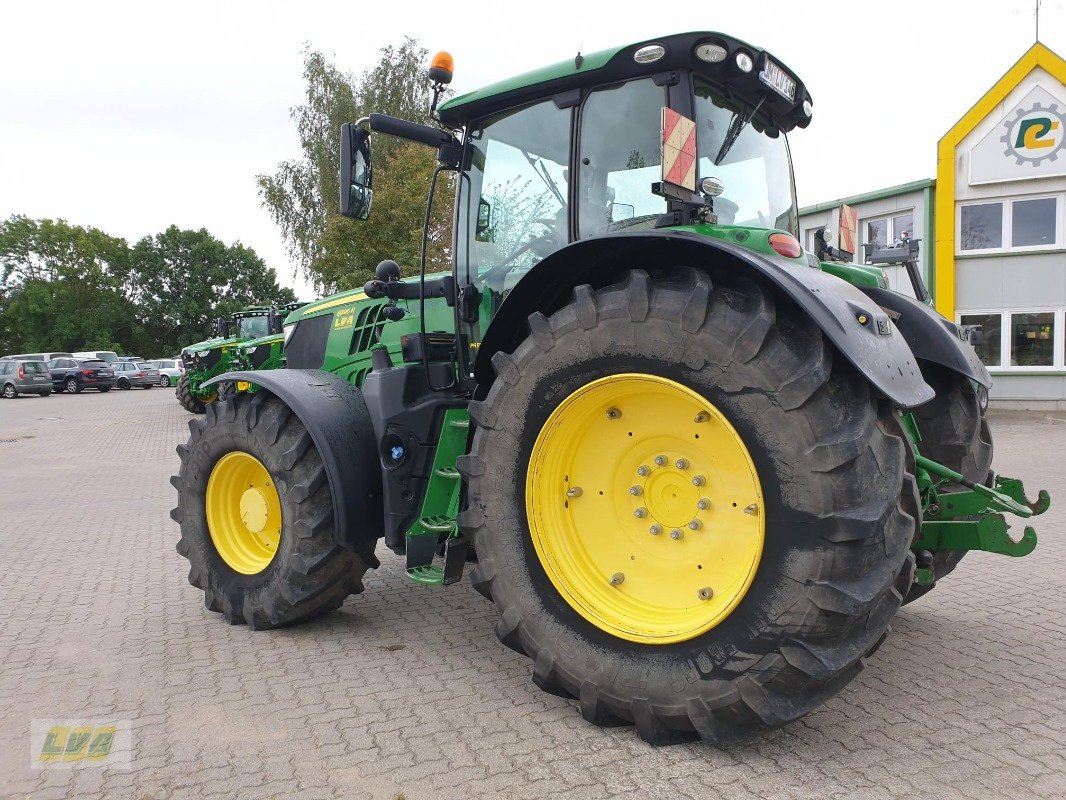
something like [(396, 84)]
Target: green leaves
[(302, 195), (65, 287)]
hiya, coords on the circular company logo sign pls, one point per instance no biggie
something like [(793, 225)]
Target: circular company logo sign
[(1036, 135)]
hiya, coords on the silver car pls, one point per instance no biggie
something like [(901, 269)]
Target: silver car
[(18, 376), (170, 370), (128, 375)]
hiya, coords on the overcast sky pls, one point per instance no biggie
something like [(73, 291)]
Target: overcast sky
[(130, 117)]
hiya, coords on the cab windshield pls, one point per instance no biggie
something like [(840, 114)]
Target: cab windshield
[(253, 327), (755, 170)]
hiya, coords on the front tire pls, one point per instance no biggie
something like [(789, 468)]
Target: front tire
[(256, 517), (72, 386), (164, 381), (189, 401), (10, 393), (123, 384), (838, 509)]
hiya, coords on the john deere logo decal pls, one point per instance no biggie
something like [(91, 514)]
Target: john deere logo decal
[(1035, 135)]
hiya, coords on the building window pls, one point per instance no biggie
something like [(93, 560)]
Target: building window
[(1032, 340), (883, 231), (1033, 222), (1017, 340), (982, 226), (1005, 225), (986, 336)]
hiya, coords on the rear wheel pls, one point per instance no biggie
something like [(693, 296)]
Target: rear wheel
[(189, 401), (256, 517), (954, 433), (701, 526)]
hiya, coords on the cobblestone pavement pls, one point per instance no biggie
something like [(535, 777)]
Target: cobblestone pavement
[(405, 691)]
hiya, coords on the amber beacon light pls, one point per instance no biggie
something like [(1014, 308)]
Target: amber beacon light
[(440, 67)]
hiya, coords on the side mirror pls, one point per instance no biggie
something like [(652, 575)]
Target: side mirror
[(356, 172), (222, 327), (620, 212), (274, 321), (483, 232)]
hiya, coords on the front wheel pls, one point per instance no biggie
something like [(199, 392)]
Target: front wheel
[(123, 384), (9, 392), (189, 401), (72, 386), (164, 381), (256, 517), (701, 524)]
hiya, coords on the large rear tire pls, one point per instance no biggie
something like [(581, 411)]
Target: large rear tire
[(837, 510), (954, 433), (189, 401), (256, 517)]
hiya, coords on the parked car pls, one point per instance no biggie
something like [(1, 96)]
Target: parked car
[(24, 376), (128, 375), (131, 359), (170, 370), (38, 356), (110, 356), (73, 374)]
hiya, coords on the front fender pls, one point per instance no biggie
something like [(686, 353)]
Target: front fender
[(335, 415), (931, 336), (876, 348)]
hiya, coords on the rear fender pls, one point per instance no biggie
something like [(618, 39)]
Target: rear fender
[(336, 417), (875, 348), (931, 337)]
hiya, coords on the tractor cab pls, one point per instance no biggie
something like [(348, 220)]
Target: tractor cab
[(576, 151)]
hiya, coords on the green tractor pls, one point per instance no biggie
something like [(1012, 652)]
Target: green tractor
[(698, 470), (249, 340)]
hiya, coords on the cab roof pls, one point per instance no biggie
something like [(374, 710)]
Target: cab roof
[(618, 63)]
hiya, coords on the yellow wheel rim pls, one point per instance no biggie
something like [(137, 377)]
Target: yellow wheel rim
[(645, 508), (243, 512)]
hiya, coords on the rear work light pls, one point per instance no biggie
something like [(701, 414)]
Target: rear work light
[(785, 244)]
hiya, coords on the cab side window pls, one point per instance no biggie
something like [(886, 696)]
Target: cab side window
[(619, 158)]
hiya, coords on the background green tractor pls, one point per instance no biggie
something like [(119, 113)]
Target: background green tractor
[(249, 340), (701, 469)]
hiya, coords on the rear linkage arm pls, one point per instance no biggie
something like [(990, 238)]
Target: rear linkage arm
[(985, 528)]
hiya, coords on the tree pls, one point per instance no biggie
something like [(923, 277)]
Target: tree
[(181, 280), (302, 195), (64, 287)]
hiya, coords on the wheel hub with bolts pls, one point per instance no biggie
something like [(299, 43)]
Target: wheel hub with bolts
[(621, 462), (243, 512)]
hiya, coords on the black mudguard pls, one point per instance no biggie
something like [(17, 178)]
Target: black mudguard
[(876, 348), (335, 414), (931, 336)]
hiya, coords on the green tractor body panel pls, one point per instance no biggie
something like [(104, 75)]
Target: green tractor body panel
[(346, 327)]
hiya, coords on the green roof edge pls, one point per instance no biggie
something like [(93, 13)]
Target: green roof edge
[(880, 194)]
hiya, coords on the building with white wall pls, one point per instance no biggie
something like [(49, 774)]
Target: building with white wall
[(993, 226)]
